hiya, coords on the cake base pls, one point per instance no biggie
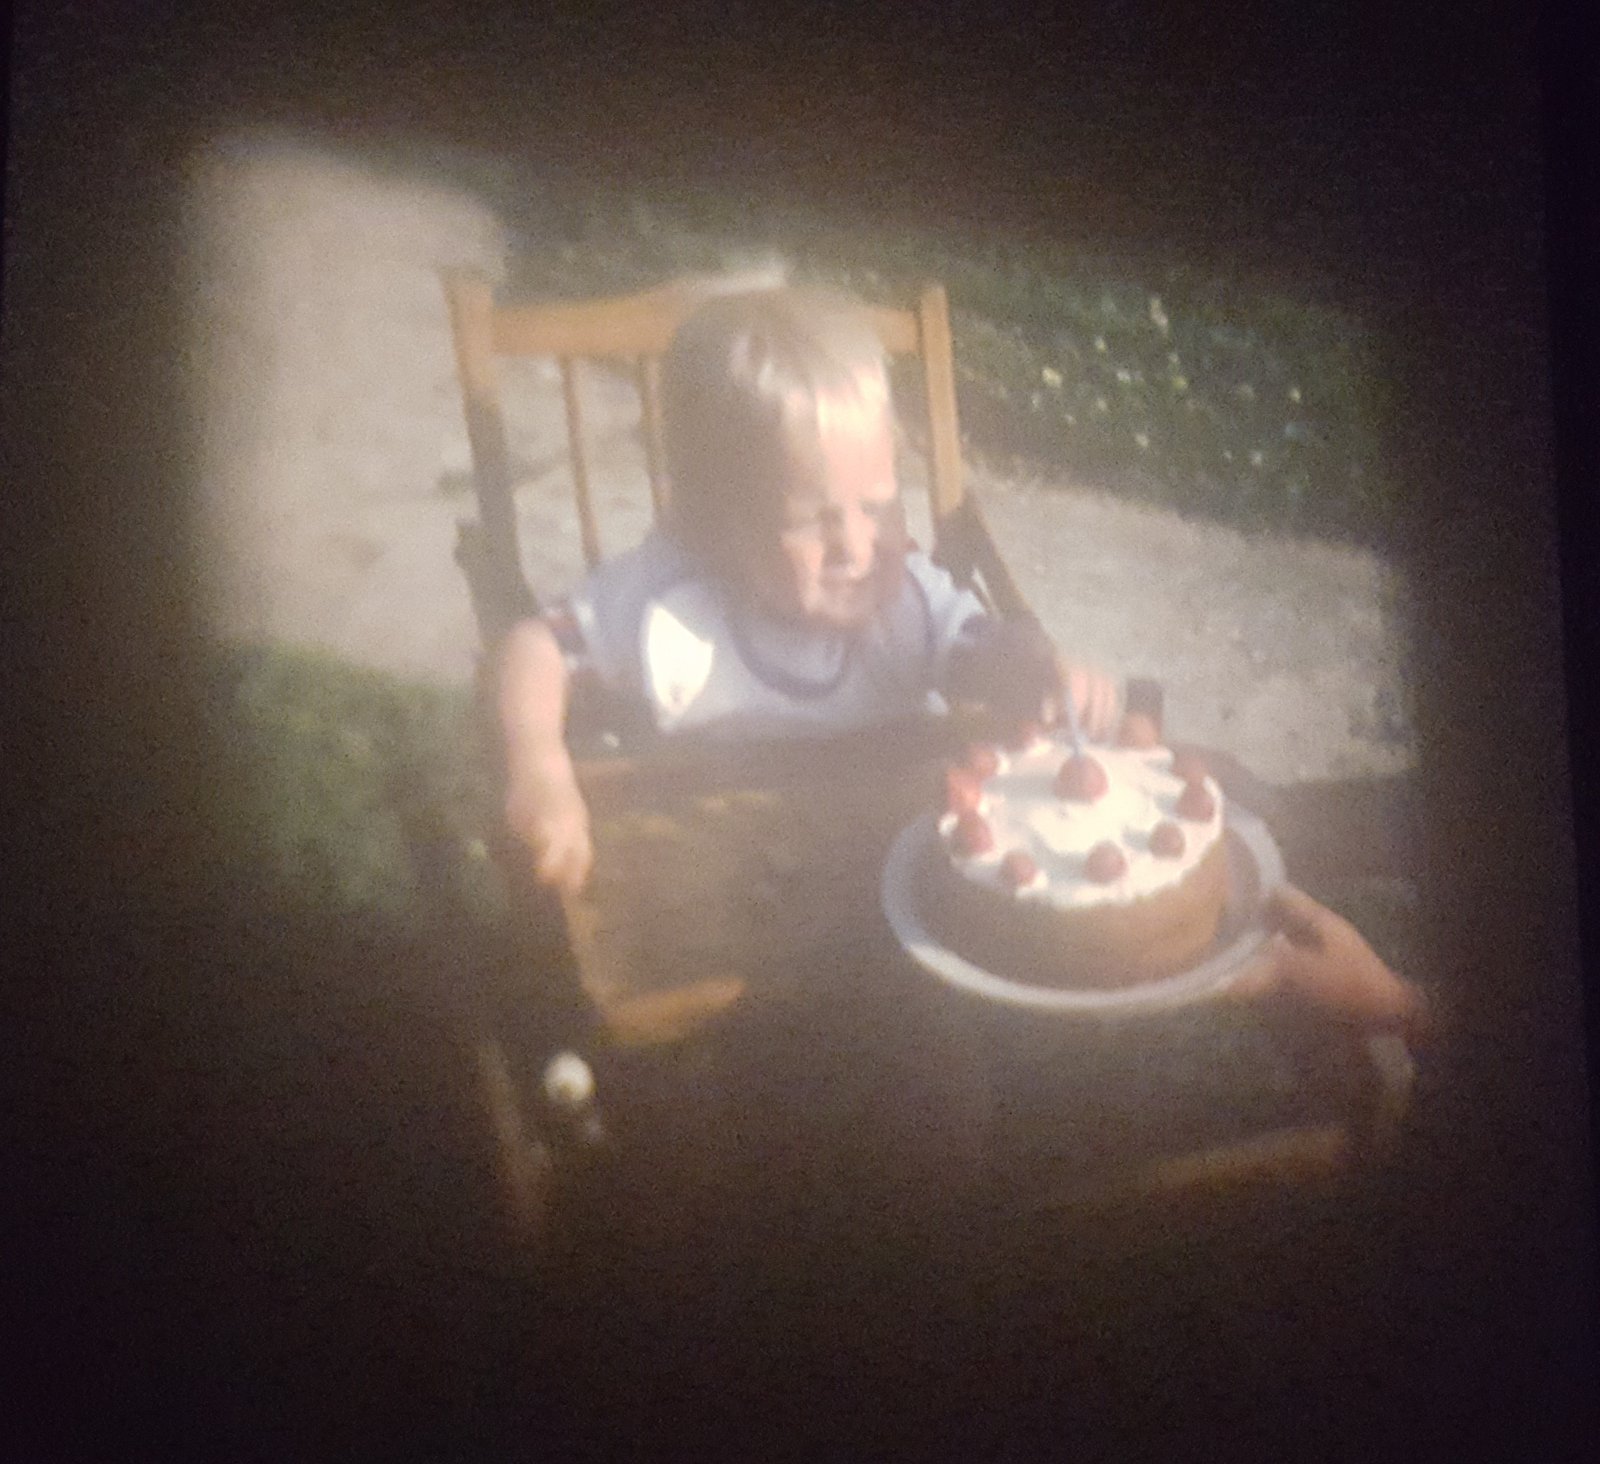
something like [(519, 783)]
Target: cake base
[(1104, 948)]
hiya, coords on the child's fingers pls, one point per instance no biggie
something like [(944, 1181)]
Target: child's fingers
[(1090, 712), (1104, 705), (1077, 688), (565, 865), (1067, 698), (1079, 684), (1094, 696), (581, 865), (574, 874), (557, 844), (548, 866)]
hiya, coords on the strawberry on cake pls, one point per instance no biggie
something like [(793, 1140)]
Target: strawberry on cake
[(1099, 868)]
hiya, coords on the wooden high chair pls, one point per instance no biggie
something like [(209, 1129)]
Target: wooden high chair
[(703, 818), (632, 333)]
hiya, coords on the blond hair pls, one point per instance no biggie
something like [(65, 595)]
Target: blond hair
[(751, 383)]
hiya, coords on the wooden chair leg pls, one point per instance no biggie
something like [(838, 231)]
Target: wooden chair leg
[(1392, 1075), (523, 1162)]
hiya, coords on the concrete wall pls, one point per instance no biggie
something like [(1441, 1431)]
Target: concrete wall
[(329, 429)]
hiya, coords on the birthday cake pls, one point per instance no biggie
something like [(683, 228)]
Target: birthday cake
[(1096, 867)]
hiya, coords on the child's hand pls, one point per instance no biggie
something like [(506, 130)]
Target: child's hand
[(1094, 695), (546, 811), (1324, 959), (1011, 667)]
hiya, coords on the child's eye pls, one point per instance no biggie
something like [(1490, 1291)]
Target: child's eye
[(801, 517)]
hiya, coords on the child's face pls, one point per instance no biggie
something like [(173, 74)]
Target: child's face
[(839, 552)]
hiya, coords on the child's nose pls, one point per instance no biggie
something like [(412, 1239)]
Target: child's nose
[(854, 539)]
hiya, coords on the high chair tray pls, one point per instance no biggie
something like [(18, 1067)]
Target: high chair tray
[(1255, 867)]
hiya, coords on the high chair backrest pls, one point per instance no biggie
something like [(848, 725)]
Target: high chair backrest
[(634, 331)]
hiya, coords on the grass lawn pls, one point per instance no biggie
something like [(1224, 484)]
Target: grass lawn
[(354, 784)]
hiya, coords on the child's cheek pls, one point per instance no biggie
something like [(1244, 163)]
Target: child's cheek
[(801, 561), (890, 567), (789, 575)]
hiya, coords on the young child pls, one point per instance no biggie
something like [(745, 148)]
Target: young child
[(781, 595)]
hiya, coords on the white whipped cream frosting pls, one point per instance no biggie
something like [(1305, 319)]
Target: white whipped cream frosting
[(1024, 812)]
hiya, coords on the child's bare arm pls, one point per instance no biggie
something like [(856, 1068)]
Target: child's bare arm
[(544, 806)]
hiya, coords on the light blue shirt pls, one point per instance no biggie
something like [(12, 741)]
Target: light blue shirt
[(651, 622)]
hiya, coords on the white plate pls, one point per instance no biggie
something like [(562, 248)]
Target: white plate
[(1249, 840)]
